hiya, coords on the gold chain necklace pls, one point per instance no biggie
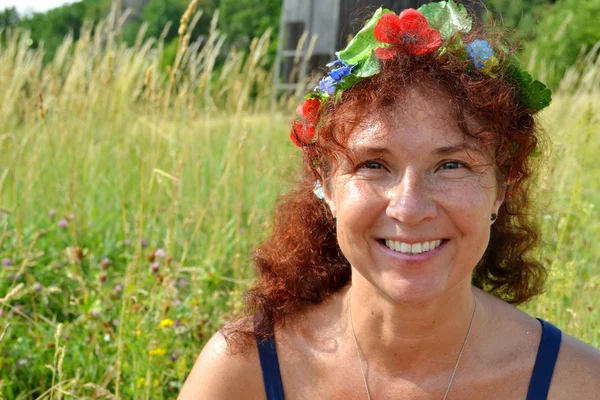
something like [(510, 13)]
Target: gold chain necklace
[(360, 359)]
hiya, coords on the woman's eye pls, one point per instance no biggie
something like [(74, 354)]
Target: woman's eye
[(452, 165), (372, 165)]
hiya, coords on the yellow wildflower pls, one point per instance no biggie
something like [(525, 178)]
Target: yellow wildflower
[(166, 322), (157, 352), (140, 382)]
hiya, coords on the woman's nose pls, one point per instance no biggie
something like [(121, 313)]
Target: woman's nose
[(411, 201)]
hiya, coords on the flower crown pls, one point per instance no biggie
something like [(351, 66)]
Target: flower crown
[(434, 27)]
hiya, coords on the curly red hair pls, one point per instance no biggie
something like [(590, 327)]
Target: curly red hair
[(300, 264)]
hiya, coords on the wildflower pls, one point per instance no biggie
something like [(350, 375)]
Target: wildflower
[(140, 382), (157, 352), (2, 313), (138, 332), (52, 213), (303, 131), (328, 83), (144, 243), (154, 267), (160, 253), (79, 253), (409, 30), (182, 282), (37, 286), (119, 288), (174, 357), (95, 313), (105, 263), (482, 54), (166, 322), (176, 303), (6, 262), (102, 277), (71, 216), (151, 257), (63, 223)]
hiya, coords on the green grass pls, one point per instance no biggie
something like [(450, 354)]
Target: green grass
[(190, 162)]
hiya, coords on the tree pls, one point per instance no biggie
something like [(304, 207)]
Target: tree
[(157, 13), (52, 26), (243, 20), (9, 17)]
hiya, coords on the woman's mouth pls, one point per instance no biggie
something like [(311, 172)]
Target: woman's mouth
[(412, 248)]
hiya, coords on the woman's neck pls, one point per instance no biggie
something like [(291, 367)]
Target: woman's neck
[(411, 340)]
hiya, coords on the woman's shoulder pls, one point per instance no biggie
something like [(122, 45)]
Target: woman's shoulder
[(220, 373), (577, 371)]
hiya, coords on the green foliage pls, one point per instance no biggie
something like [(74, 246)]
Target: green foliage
[(553, 33), (564, 30), (515, 13), (52, 26), (9, 17), (169, 54), (157, 13), (242, 20)]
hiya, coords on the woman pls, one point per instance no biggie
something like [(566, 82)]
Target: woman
[(398, 279)]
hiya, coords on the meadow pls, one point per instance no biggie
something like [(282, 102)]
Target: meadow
[(131, 199)]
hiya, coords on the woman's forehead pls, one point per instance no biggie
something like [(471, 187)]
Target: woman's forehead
[(411, 119)]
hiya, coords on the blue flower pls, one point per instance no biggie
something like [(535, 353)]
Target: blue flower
[(327, 85), (479, 51), (340, 70)]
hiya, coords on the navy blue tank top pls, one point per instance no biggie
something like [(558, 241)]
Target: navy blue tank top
[(538, 385)]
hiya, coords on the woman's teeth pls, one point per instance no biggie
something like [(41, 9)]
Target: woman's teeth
[(416, 248)]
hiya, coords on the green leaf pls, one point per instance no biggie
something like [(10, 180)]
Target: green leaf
[(533, 93), (347, 82), (537, 96), (447, 17), (317, 95), (364, 43), (454, 47), (369, 67)]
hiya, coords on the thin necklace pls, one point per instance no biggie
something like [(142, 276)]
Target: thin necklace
[(360, 358)]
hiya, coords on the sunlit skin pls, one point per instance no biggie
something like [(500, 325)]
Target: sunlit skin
[(415, 179)]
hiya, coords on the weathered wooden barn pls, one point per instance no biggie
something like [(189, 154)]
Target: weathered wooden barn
[(333, 22)]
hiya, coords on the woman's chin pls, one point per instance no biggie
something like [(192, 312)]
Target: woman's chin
[(414, 290)]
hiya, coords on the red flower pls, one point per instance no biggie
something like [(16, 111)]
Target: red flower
[(409, 30), (303, 131)]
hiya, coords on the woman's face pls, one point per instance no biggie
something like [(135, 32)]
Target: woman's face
[(413, 210)]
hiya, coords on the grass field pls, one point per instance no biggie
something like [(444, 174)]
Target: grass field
[(131, 200)]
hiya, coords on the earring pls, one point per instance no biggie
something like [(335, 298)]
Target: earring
[(494, 217)]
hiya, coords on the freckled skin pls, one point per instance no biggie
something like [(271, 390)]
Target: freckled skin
[(408, 190)]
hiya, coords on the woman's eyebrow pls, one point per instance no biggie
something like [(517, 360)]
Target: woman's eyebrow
[(371, 150), (457, 148)]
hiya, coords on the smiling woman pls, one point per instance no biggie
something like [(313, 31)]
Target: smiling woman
[(399, 279)]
